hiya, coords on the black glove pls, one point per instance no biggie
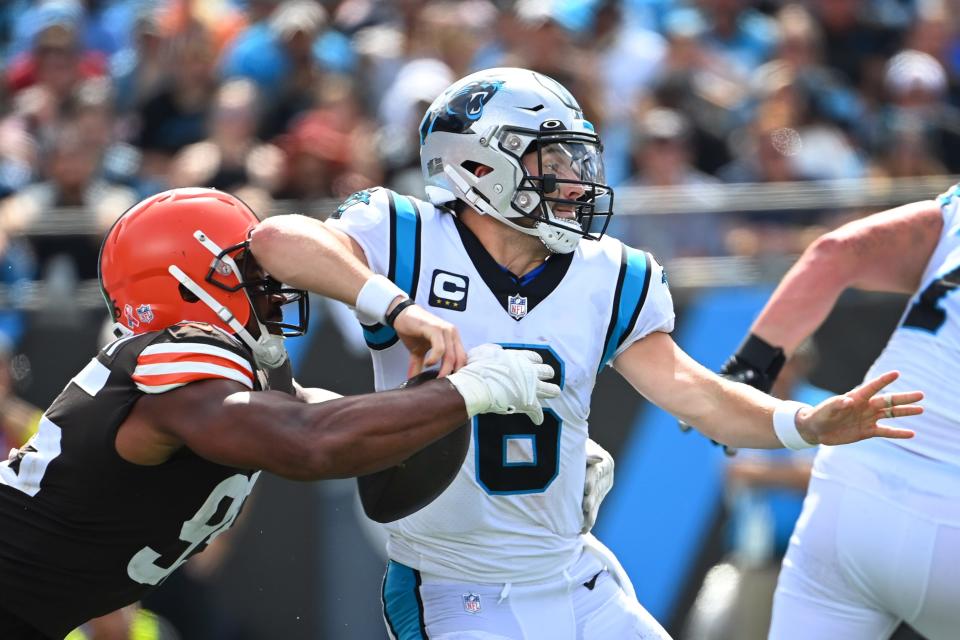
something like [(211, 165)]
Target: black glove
[(755, 363)]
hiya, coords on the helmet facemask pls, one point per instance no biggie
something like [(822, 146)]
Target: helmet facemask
[(565, 194), (236, 264)]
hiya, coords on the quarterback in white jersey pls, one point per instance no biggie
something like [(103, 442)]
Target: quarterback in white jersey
[(515, 182), (878, 542)]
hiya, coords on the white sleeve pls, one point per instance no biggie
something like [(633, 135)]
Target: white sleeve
[(949, 202), (365, 217), (655, 307)]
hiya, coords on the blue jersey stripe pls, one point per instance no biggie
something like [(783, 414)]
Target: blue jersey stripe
[(402, 606), (628, 299), (404, 268), (406, 241)]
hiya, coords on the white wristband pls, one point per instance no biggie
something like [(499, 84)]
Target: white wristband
[(375, 298), (785, 424)]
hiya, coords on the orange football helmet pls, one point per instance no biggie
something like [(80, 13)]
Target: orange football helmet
[(183, 255)]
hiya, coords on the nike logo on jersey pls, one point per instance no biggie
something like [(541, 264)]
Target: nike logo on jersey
[(448, 290)]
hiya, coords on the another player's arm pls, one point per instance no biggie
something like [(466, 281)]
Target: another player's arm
[(308, 254), (305, 253), (887, 251), (222, 421), (740, 416)]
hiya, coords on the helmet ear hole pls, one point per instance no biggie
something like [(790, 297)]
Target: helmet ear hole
[(476, 168), (187, 295)]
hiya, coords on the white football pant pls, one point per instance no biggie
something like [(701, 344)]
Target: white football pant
[(862, 560), (586, 604)]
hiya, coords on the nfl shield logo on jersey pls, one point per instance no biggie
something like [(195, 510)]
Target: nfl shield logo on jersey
[(471, 603), (517, 306)]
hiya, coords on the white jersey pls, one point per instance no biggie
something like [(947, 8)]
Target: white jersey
[(513, 512), (925, 348)]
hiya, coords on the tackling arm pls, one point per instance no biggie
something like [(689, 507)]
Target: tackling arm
[(223, 422)]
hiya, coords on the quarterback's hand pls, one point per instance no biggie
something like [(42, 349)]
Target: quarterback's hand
[(505, 381), (421, 333), (597, 483), (853, 416)]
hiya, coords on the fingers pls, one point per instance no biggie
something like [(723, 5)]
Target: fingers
[(438, 347), (890, 400), (416, 365), (871, 387), (547, 390), (535, 414), (460, 354), (544, 371), (891, 432), (533, 357), (902, 412), (485, 350)]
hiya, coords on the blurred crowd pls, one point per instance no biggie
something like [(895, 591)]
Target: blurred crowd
[(106, 101)]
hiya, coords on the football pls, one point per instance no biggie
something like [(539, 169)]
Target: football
[(406, 488)]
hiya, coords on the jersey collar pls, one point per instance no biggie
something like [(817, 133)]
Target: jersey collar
[(517, 295)]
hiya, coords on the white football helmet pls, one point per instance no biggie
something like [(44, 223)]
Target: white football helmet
[(493, 118)]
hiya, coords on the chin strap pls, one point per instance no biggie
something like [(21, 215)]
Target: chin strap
[(268, 350), (554, 237)]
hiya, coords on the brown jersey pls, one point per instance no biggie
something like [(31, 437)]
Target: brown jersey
[(84, 532)]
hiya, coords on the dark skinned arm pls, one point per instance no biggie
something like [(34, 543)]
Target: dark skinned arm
[(225, 423)]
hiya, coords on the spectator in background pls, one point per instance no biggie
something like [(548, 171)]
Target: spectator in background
[(73, 180), (278, 56), (19, 156), (917, 115), (140, 70), (698, 85), (177, 114), (402, 108), (56, 60), (856, 43), (816, 148), (326, 148), (800, 49), (662, 154), (628, 58), (232, 156), (740, 36)]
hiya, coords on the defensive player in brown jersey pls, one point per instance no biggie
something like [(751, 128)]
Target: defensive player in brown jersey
[(151, 449)]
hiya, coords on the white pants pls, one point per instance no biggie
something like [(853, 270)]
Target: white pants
[(862, 560), (586, 604)]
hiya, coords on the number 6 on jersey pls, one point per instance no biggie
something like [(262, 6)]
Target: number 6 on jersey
[(512, 454)]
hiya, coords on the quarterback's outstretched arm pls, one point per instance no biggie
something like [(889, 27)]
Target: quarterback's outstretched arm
[(887, 251), (738, 415)]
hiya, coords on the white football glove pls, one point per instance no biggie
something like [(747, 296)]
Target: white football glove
[(597, 483), (505, 381)]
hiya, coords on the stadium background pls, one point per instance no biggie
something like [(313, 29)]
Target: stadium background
[(735, 131)]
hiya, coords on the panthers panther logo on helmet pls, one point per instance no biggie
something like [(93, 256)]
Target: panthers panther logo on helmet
[(461, 109)]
